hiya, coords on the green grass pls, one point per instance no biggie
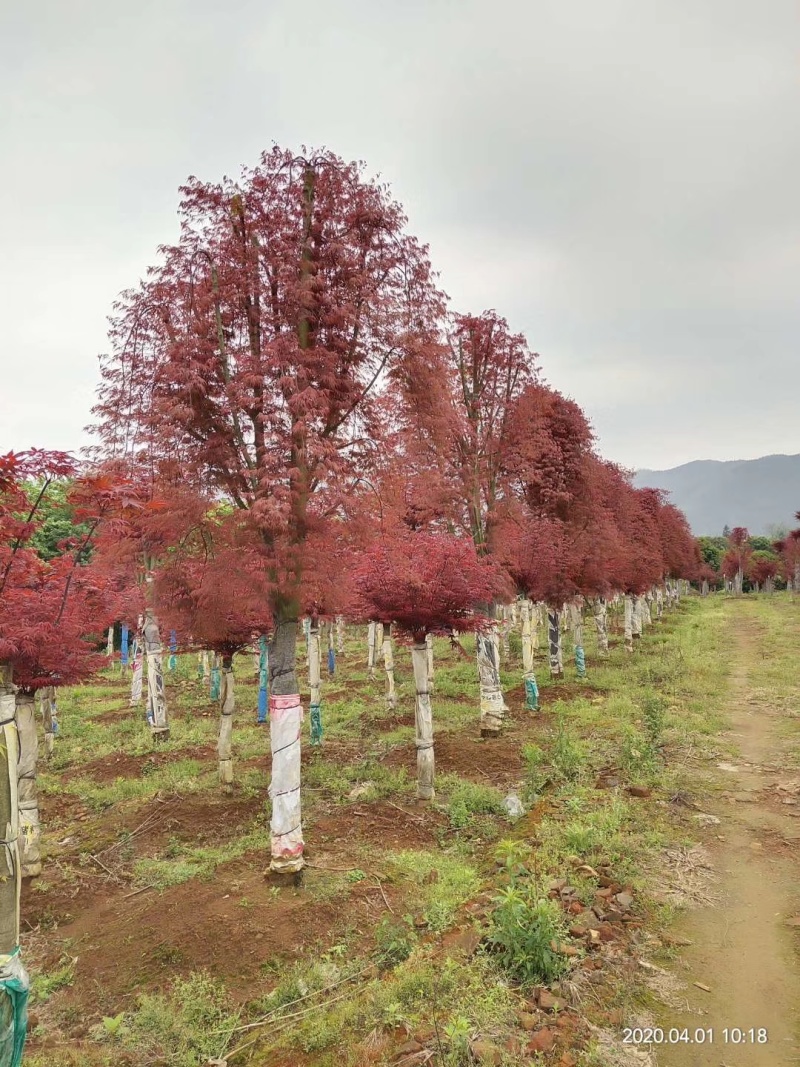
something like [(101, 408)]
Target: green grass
[(651, 716)]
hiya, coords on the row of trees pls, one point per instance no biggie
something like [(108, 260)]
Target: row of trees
[(744, 562), (292, 422)]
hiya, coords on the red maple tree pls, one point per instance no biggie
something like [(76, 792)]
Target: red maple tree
[(256, 355)]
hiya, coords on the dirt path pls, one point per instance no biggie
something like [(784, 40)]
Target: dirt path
[(742, 948)]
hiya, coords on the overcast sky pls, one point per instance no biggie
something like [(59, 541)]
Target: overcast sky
[(619, 178)]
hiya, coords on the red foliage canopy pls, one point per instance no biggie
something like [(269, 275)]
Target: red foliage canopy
[(213, 591), (425, 583), (256, 355), (48, 611)]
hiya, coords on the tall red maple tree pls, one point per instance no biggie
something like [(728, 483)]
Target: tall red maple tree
[(256, 353)]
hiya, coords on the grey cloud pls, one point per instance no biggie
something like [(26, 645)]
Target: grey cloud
[(617, 178)]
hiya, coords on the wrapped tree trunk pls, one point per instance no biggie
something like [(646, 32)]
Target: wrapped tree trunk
[(340, 634), (628, 623), (227, 706), (47, 697), (600, 609), (647, 618), (216, 680), (137, 674), (659, 604), (636, 621), (536, 622), (285, 729), (423, 720), (14, 984), (529, 678), (577, 640), (554, 643), (123, 647), (206, 668), (371, 640), (505, 629), (173, 651), (263, 668), (429, 646), (156, 700), (388, 665), (331, 652), (315, 683), (493, 706), (27, 793), (110, 643)]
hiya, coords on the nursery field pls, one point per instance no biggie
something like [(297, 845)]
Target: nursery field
[(445, 932)]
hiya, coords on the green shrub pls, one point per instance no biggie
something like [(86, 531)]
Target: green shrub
[(186, 1028), (654, 717), (395, 940), (467, 800), (523, 927), (569, 753), (536, 776)]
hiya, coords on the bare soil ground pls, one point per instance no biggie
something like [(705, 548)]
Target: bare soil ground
[(742, 947)]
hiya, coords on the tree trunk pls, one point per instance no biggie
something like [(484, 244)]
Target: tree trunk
[(647, 617), (227, 706), (216, 680), (536, 622), (156, 701), (206, 669), (505, 629), (340, 634), (27, 793), (263, 688), (110, 642), (529, 678), (371, 641), (423, 721), (315, 683), (493, 706), (431, 672), (577, 639), (554, 643), (629, 622), (285, 729), (388, 664), (636, 621), (123, 648), (331, 652), (14, 982), (47, 697), (137, 672), (600, 610)]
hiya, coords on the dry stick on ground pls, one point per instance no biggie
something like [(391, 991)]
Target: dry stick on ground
[(136, 892), (291, 1003), (101, 864), (288, 1020), (416, 818), (152, 818), (383, 894)]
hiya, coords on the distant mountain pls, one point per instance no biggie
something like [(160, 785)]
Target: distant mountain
[(756, 493)]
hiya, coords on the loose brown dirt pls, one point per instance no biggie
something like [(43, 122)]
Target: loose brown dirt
[(497, 760), (121, 765), (741, 948)]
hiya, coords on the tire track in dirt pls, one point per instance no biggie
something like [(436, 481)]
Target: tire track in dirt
[(742, 948)]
